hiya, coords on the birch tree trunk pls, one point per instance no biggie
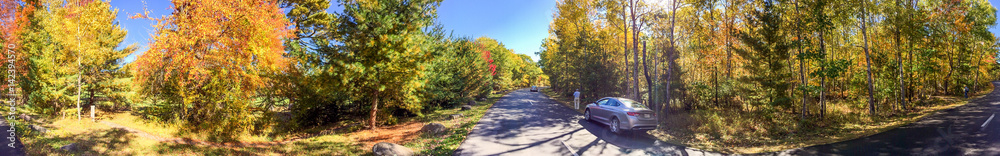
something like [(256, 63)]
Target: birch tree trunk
[(868, 59)]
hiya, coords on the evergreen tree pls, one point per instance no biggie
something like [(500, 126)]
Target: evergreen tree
[(767, 47)]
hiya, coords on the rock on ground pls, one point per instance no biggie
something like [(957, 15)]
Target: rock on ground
[(466, 107), (433, 128), (38, 128), (390, 149), (455, 116), (26, 117), (70, 147)]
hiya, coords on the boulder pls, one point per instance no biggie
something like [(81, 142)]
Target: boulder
[(482, 99), (466, 107), (390, 149), (26, 117), (471, 103), (69, 148), (38, 128), (433, 128), (455, 116)]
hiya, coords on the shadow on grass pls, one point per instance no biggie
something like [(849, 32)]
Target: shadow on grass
[(298, 147), (171, 148), (447, 145), (103, 142)]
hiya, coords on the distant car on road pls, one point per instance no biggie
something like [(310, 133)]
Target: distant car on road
[(621, 114), (534, 88)]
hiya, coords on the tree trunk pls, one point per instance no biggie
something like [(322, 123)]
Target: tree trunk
[(868, 59), (729, 48), (951, 68), (645, 70), (656, 81), (371, 122), (90, 99), (670, 56), (635, 48), (729, 55), (715, 79), (899, 63), (910, 57), (715, 69), (628, 88), (822, 80), (802, 74), (625, 28)]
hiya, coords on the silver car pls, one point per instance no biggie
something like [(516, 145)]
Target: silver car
[(621, 114)]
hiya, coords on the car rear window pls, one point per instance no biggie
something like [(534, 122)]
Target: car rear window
[(632, 104)]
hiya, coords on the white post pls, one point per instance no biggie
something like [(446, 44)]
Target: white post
[(92, 113)]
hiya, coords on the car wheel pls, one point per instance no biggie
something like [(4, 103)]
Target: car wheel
[(586, 114), (614, 126)]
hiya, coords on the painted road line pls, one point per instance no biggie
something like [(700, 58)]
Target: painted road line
[(988, 120), (567, 148), (946, 135)]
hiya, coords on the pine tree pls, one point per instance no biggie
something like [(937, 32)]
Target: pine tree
[(767, 47), (383, 51)]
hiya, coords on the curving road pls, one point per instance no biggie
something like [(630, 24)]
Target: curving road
[(529, 123), (5, 149), (957, 131)]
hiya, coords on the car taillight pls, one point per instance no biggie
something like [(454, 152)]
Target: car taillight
[(632, 113)]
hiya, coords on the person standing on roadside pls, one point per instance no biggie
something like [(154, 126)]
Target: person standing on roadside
[(965, 90), (576, 99)]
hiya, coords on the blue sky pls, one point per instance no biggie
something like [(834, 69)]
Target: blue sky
[(519, 24), (995, 29)]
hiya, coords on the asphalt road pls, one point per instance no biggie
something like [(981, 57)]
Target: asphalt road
[(528, 123), (958, 131), (5, 149)]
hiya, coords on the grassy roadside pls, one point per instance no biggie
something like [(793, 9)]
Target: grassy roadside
[(94, 138), (458, 129), (563, 100), (100, 139), (745, 133)]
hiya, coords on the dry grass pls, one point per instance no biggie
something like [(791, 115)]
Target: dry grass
[(96, 138), (564, 100)]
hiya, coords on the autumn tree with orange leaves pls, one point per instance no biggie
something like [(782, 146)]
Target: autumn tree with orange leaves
[(12, 21), (209, 58)]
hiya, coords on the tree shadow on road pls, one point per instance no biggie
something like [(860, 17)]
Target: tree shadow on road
[(628, 142)]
